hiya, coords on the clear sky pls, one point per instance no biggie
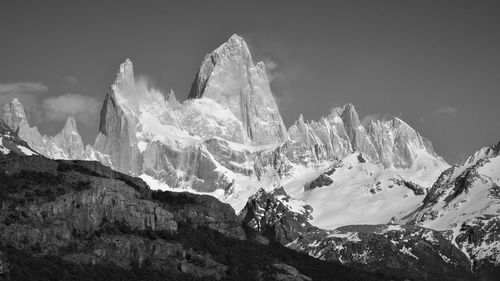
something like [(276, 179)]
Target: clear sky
[(436, 64)]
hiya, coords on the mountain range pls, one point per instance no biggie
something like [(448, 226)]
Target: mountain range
[(374, 196)]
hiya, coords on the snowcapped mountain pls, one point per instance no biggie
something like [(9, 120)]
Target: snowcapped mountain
[(327, 188), (228, 137), (465, 202), (9, 142), (421, 253), (356, 190), (198, 144)]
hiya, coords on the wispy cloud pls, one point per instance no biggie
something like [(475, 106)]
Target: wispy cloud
[(27, 92), (82, 108), (271, 69), (446, 110), (368, 118), (21, 88), (70, 79)]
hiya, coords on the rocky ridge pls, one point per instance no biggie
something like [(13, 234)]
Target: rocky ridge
[(400, 250), (464, 201)]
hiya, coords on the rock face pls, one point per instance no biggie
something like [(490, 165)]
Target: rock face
[(80, 218), (276, 215), (392, 143), (117, 129), (14, 116), (10, 142), (401, 251), (67, 144), (229, 77), (465, 200)]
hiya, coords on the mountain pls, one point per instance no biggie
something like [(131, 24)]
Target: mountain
[(464, 201), (372, 196), (147, 133), (393, 143), (402, 251), (67, 144), (73, 219), (11, 143), (447, 231), (228, 137)]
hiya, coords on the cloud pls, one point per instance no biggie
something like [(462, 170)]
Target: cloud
[(70, 79), (82, 108), (31, 104), (368, 118), (21, 88), (271, 69), (27, 93), (282, 98), (446, 110), (42, 109)]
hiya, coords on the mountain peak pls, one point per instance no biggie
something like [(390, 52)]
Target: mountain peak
[(13, 114), (351, 123), (301, 118), (125, 72), (17, 108), (229, 56), (237, 38), (171, 98), (234, 44), (70, 125), (229, 77), (349, 108)]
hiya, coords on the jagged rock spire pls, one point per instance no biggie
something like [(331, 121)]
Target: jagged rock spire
[(124, 76), (70, 125), (116, 136), (351, 121), (125, 72), (14, 114), (234, 51), (391, 143), (229, 77), (172, 99)]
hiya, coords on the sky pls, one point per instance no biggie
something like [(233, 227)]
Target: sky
[(435, 64)]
